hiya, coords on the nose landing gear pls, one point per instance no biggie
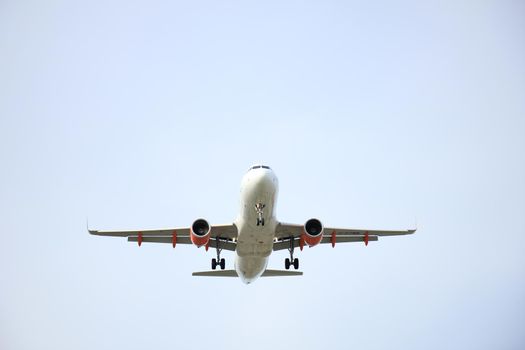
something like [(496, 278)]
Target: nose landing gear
[(259, 208)]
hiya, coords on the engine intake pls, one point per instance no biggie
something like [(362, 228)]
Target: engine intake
[(200, 232), (313, 232)]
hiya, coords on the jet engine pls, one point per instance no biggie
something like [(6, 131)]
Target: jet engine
[(200, 232), (313, 232)]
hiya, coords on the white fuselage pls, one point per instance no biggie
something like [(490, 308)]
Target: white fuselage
[(255, 242)]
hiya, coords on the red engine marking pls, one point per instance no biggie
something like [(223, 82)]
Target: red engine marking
[(207, 245), (174, 239), (366, 238), (301, 242), (139, 240), (333, 239)]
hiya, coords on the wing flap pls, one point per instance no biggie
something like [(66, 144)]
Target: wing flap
[(348, 238), (161, 239), (285, 243), (226, 245)]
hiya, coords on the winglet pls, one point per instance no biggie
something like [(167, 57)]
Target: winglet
[(415, 228), (93, 232)]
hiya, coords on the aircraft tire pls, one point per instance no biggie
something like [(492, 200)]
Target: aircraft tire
[(296, 263)]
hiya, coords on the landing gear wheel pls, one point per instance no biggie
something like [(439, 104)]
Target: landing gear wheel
[(262, 221), (213, 264), (258, 222), (223, 264), (296, 263), (287, 264)]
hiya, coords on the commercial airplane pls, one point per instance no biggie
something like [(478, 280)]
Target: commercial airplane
[(254, 234)]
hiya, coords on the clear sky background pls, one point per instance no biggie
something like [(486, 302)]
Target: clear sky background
[(145, 114)]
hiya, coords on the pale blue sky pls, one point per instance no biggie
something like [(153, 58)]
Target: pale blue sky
[(143, 114)]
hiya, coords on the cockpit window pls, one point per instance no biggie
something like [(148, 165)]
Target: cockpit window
[(259, 167)]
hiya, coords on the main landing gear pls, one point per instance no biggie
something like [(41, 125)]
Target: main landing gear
[(218, 262), (259, 208), (291, 261)]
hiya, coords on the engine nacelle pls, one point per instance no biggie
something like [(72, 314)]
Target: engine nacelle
[(200, 232), (313, 232)]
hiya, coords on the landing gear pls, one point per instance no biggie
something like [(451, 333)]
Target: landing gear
[(215, 263), (259, 208), (218, 262), (288, 263), (291, 261)]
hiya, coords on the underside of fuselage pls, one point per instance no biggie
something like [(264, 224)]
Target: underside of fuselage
[(256, 223)]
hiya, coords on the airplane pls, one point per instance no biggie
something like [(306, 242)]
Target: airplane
[(255, 234)]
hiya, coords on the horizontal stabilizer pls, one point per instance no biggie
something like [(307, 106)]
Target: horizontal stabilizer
[(275, 273), (217, 273), (233, 273)]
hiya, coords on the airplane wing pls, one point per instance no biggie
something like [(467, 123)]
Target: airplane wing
[(224, 233), (286, 232)]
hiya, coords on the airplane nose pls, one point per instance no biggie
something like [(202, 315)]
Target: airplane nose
[(262, 177)]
